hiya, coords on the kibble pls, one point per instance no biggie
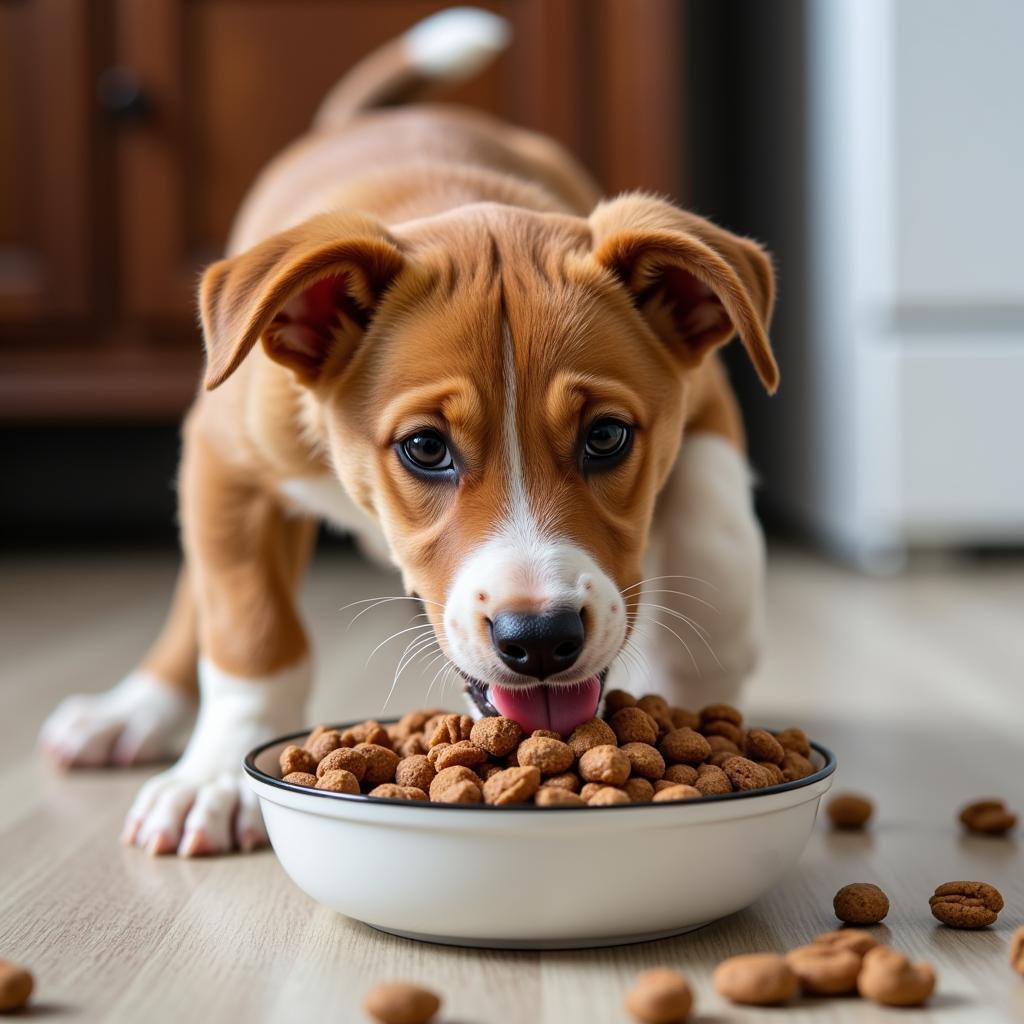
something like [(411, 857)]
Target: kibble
[(401, 1003), (498, 736), (888, 977), (553, 796), (825, 969), (988, 817), (605, 764), (756, 979), (16, 984), (966, 904), (338, 781), (860, 903), (641, 752), (848, 938), (849, 810), (345, 758), (660, 996), (1017, 950)]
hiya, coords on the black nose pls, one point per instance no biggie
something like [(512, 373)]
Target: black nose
[(538, 645)]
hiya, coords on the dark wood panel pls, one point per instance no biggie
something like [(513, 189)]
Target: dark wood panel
[(89, 382), (637, 104), (45, 165)]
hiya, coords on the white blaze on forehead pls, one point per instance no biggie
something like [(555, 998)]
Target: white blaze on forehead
[(520, 523), (526, 566)]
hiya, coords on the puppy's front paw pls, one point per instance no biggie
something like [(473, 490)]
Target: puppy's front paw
[(176, 812), (203, 805), (142, 719)]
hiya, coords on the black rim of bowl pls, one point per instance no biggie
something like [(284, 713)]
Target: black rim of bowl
[(250, 768)]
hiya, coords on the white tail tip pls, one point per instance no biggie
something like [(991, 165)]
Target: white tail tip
[(456, 43)]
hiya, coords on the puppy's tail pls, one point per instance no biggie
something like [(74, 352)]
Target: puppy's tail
[(444, 49)]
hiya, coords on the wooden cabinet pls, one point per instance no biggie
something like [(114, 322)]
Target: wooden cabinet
[(129, 132)]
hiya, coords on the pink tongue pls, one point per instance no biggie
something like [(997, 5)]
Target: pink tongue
[(558, 708)]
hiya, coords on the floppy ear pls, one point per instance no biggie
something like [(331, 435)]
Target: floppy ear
[(308, 294), (695, 284)]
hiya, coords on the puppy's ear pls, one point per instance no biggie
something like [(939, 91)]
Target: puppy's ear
[(308, 294), (695, 284)]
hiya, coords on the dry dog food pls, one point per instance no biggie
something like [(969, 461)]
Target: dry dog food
[(989, 817), (643, 751), (825, 969), (849, 810), (966, 904), (888, 977), (848, 938), (16, 986), (835, 963), (756, 979), (660, 996), (401, 1003), (860, 903), (1017, 950)]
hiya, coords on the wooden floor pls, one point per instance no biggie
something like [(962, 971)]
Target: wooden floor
[(917, 683)]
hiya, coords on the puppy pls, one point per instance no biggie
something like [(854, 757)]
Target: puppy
[(431, 331)]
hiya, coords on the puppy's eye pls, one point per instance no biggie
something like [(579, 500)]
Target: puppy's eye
[(426, 451), (607, 443)]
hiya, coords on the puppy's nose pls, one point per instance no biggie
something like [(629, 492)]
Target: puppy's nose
[(538, 645)]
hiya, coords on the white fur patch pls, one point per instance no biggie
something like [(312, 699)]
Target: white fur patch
[(140, 719), (456, 43), (202, 804), (326, 499), (705, 531)]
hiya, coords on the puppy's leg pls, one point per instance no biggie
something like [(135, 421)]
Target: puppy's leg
[(145, 717), (254, 670), (707, 543)]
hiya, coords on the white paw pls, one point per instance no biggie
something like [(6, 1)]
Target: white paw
[(142, 719), (178, 813), (203, 804)]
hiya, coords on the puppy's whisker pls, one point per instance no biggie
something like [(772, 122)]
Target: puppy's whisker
[(425, 625), (414, 650), (640, 658), (695, 626), (376, 602), (680, 593), (686, 646), (653, 579)]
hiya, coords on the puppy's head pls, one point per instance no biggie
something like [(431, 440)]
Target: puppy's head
[(504, 392)]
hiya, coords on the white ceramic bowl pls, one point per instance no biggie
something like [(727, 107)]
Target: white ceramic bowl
[(531, 877)]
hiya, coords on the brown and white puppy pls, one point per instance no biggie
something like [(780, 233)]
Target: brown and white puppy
[(431, 331)]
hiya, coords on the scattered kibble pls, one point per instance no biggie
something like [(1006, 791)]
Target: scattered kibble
[(401, 1003), (966, 904), (888, 977), (660, 996), (1017, 950), (988, 817), (860, 903), (16, 984), (756, 979), (849, 810)]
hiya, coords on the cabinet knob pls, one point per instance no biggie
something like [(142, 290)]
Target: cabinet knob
[(122, 95)]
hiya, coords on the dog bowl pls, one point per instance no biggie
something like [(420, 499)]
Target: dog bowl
[(535, 877)]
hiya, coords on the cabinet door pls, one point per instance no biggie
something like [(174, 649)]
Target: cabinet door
[(227, 84), (45, 165)]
